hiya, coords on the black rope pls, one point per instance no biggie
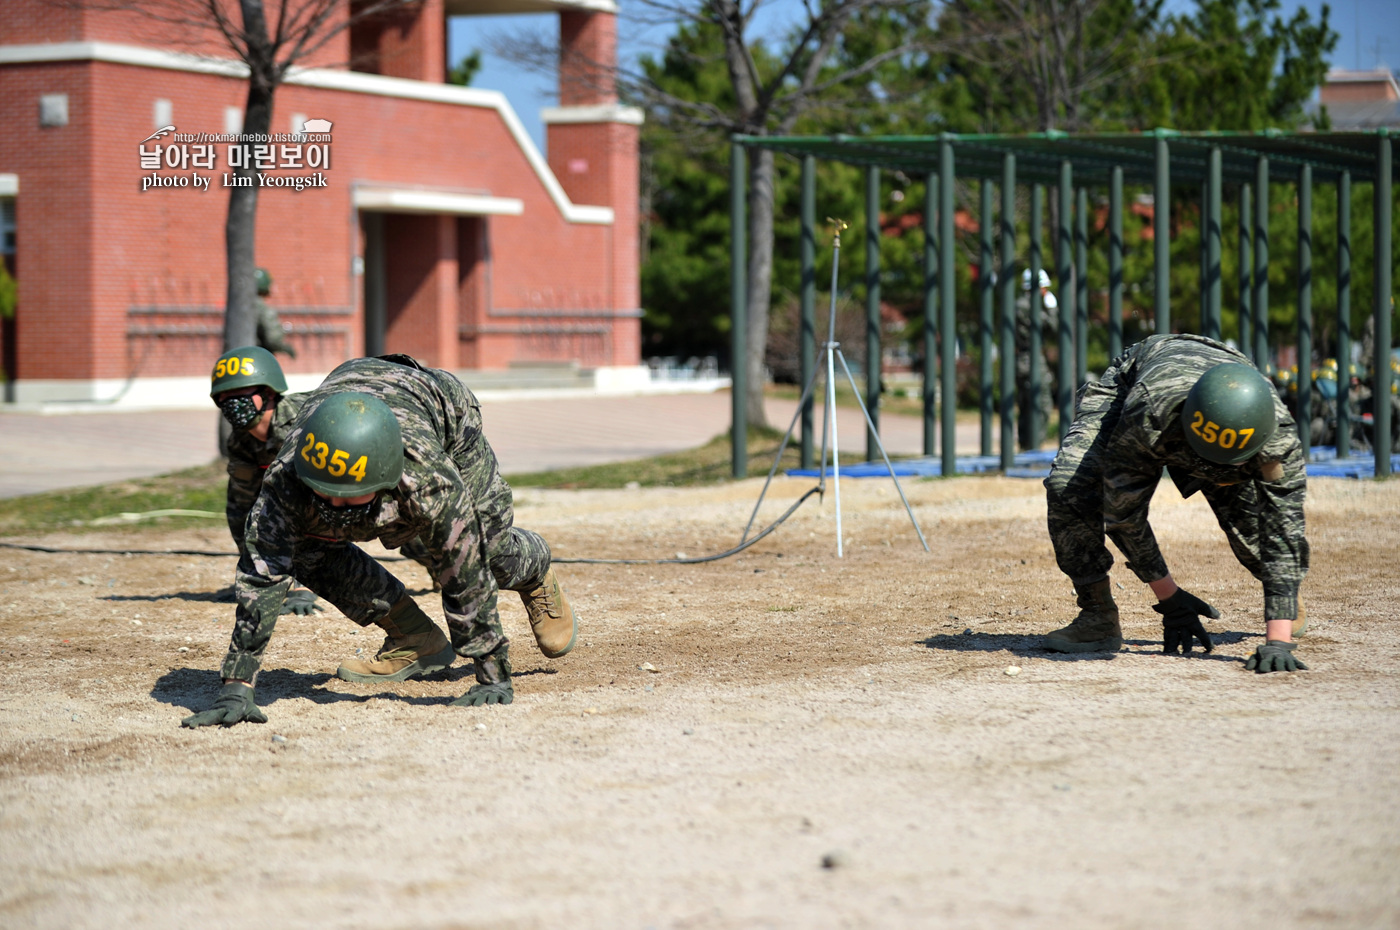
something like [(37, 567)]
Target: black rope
[(700, 558), (696, 560)]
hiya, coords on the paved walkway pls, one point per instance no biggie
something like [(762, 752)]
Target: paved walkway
[(45, 453)]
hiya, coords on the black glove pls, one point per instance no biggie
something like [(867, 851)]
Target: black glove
[(481, 695), (1181, 622), (492, 680), (1274, 656), (235, 703), (301, 602)]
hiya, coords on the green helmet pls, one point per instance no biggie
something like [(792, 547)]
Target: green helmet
[(263, 280), (246, 366), (1229, 414), (352, 446)]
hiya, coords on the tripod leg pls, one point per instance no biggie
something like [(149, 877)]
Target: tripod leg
[(909, 510)]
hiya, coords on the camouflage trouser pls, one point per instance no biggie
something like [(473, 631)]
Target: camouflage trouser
[(362, 589), (1074, 490), (1074, 497)]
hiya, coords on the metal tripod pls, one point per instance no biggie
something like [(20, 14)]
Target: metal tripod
[(833, 352)]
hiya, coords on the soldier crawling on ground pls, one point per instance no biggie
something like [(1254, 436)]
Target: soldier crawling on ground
[(1198, 409), (250, 390), (387, 449)]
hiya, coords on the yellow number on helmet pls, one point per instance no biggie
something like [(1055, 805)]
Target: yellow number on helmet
[(358, 469), (306, 449), (338, 460), (1196, 422), (1209, 434), (220, 369), (248, 367), (322, 450)]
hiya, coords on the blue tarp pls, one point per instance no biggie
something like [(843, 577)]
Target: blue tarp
[(1324, 464), (1028, 465)]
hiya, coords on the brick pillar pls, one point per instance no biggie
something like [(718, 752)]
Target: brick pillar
[(587, 57), (406, 42), (420, 272), (592, 144)]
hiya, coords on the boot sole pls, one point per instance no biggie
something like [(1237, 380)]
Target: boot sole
[(423, 666), (1103, 645)]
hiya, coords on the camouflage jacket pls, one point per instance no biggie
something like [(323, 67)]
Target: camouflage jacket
[(449, 476), (1154, 378), (248, 458)]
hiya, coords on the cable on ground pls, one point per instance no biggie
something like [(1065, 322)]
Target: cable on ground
[(693, 560)]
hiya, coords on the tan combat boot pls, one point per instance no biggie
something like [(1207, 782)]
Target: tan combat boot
[(414, 645), (1300, 625), (1096, 629), (551, 618)]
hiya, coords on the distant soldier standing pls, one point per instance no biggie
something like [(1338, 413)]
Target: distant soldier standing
[(271, 335), (1034, 403), (386, 449), (1198, 409)]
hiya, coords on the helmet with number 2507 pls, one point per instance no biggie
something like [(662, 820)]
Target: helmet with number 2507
[(1229, 414), (350, 445)]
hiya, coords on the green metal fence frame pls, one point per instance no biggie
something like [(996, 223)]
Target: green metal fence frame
[(1158, 158)]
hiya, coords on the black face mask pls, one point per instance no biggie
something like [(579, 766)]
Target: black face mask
[(241, 412), (347, 516)]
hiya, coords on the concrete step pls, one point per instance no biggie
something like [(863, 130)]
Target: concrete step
[(527, 378)]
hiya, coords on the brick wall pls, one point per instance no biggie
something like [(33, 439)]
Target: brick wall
[(118, 282)]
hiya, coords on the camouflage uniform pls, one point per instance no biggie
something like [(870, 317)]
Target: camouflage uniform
[(451, 495), (248, 458), (271, 335), (1127, 431)]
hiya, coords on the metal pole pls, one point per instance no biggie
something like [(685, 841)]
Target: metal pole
[(807, 349), (1081, 288), (1115, 262), (1381, 264), (1246, 312), (1064, 265), (1161, 236), (930, 312), (1214, 233), (375, 297), (1344, 315), (1262, 359), (738, 310), (1035, 344), (1203, 272), (947, 321), (985, 273), (872, 310), (1305, 320), (1008, 311)]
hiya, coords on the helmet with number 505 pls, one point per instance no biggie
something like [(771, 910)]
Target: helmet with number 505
[(246, 366), (350, 445), (1229, 414)]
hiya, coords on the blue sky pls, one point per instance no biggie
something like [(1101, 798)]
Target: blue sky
[(1369, 30)]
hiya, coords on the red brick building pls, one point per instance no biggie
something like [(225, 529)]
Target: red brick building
[(440, 231)]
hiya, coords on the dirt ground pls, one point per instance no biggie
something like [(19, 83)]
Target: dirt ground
[(801, 709)]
